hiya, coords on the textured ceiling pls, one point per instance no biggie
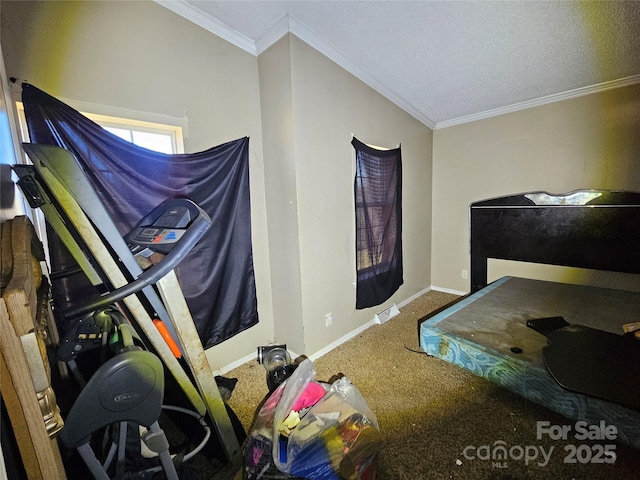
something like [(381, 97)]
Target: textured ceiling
[(448, 62)]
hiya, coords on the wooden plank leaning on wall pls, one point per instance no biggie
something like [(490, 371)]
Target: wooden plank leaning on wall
[(25, 329)]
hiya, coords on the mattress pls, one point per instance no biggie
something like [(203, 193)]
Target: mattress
[(486, 334)]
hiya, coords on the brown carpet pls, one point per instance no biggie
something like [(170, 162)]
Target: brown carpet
[(431, 412)]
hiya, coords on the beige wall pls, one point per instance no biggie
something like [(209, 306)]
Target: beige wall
[(586, 142), (329, 106), (311, 108), (140, 57), (282, 197), (304, 109)]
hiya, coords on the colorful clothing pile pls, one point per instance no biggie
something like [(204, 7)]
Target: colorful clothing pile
[(314, 431)]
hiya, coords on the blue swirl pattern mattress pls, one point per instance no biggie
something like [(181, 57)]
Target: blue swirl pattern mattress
[(486, 334)]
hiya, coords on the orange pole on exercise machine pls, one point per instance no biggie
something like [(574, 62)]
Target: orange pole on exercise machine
[(173, 346)]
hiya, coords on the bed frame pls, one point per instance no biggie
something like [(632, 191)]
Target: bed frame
[(486, 332), (593, 229)]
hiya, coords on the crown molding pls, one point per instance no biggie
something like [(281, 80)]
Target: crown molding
[(275, 33), (289, 24), (538, 102), (307, 35), (197, 16)]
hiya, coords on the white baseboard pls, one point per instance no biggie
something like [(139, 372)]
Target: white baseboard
[(414, 296), (364, 327), (342, 339), (222, 370), (448, 290)]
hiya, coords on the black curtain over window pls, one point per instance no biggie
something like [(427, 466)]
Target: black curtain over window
[(378, 199), (217, 276)]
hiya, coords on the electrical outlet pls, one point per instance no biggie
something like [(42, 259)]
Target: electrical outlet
[(465, 274), (328, 319)]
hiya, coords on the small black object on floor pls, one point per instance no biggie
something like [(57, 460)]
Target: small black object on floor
[(597, 363), (591, 361)]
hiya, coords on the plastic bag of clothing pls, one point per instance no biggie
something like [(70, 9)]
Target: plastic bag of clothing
[(315, 431)]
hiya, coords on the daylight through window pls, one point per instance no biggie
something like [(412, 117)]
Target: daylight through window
[(158, 137)]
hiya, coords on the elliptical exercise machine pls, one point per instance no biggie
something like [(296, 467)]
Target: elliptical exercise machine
[(57, 184), (127, 390)]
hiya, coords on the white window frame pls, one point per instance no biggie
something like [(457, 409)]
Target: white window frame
[(173, 130)]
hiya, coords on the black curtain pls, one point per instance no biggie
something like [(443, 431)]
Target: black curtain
[(378, 200), (217, 276)]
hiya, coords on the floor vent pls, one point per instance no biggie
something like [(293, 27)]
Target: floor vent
[(387, 314)]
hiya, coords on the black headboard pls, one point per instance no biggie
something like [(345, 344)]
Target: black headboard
[(596, 229)]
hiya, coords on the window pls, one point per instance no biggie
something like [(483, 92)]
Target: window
[(378, 215), (151, 135)]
